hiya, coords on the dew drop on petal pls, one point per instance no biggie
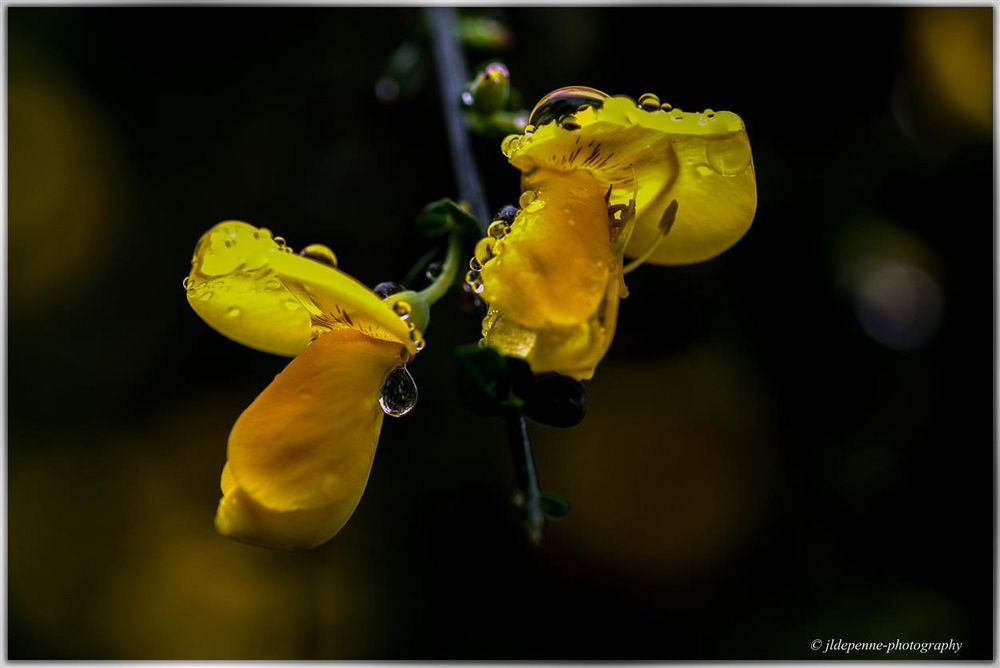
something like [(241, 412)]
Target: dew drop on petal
[(474, 265), (233, 312), (498, 229), (564, 101), (649, 102), (527, 197), (399, 393), (320, 253), (729, 156), (484, 249)]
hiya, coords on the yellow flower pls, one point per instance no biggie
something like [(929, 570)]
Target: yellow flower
[(299, 456), (604, 177)]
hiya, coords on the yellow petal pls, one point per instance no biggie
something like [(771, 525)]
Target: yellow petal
[(553, 280), (253, 290), (553, 267), (303, 449), (701, 159)]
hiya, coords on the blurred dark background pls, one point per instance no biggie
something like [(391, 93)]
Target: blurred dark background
[(793, 441)]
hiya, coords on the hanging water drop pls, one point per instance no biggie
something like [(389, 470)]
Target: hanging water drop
[(472, 276), (417, 339), (320, 253), (474, 265), (399, 393), (649, 102), (187, 283), (484, 249)]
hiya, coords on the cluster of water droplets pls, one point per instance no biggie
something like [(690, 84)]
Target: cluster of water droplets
[(491, 245)]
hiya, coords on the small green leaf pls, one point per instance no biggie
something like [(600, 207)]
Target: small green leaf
[(556, 401), (554, 505), (483, 379), (444, 215)]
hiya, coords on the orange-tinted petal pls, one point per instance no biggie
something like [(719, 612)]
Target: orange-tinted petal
[(307, 442)]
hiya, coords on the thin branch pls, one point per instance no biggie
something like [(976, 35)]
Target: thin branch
[(452, 75), (527, 477)]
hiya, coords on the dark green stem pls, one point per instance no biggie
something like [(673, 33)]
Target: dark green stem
[(527, 477), (452, 75)]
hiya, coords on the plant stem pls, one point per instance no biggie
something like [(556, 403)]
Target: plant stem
[(452, 75), (440, 286), (527, 477)]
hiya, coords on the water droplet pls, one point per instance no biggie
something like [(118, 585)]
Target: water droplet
[(666, 106), (320, 253), (273, 284), (528, 129), (399, 393), (291, 305), (703, 170), (729, 156), (472, 276), (474, 265), (187, 283), (402, 309), (233, 312), (564, 101), (410, 326), (649, 102), (507, 214), (484, 250), (527, 197), (710, 113), (417, 339), (387, 288), (476, 286), (536, 205), (280, 241), (205, 296), (433, 270), (510, 144), (498, 229)]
